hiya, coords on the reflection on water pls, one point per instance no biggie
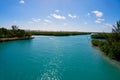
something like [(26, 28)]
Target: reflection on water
[(51, 71)]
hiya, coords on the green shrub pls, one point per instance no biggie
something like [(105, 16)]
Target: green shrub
[(95, 42)]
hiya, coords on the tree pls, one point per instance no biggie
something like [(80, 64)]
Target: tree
[(14, 27), (116, 29), (3, 32), (116, 32)]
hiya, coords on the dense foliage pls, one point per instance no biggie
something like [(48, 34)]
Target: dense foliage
[(60, 33), (100, 35), (14, 32), (111, 45)]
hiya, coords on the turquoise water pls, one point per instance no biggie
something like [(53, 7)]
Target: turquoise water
[(54, 58)]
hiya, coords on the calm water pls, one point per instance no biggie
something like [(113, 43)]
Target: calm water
[(54, 58)]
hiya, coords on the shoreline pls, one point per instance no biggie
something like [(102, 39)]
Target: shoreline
[(111, 61), (14, 38)]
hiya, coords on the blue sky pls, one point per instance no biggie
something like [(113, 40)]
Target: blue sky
[(60, 15)]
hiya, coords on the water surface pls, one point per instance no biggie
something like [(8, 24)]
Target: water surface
[(54, 58)]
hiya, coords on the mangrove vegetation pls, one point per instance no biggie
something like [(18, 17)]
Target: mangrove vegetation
[(111, 45), (58, 33), (13, 34)]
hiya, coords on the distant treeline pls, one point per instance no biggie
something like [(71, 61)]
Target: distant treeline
[(14, 32), (59, 33), (111, 43)]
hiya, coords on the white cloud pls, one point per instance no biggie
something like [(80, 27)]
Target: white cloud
[(99, 20), (108, 25), (36, 20), (98, 13), (72, 16), (58, 16), (57, 11), (47, 21), (21, 1)]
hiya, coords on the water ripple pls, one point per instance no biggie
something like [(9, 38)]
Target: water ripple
[(52, 70)]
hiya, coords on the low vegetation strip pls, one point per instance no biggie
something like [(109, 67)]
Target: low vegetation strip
[(59, 33)]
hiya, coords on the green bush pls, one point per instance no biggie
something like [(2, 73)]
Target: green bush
[(98, 36), (95, 42)]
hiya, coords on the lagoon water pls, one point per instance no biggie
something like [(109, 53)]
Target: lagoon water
[(54, 58)]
